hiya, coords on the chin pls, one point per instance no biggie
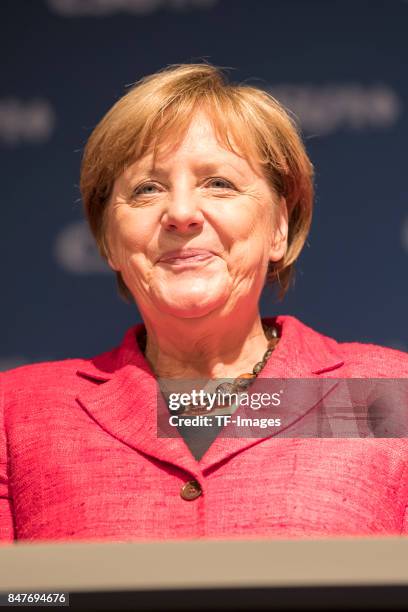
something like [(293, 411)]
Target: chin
[(189, 309)]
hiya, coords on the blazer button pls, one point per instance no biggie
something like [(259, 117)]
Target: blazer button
[(191, 490)]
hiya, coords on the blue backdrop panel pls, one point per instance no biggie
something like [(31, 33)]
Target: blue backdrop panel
[(340, 66)]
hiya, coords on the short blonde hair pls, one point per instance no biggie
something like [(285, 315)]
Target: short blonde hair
[(158, 110)]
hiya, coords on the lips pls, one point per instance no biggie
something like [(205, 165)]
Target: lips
[(185, 254)]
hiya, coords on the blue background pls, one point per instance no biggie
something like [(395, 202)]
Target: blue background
[(340, 66)]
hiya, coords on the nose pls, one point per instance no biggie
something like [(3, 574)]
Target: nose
[(182, 214)]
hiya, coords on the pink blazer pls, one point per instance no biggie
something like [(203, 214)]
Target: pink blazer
[(80, 458)]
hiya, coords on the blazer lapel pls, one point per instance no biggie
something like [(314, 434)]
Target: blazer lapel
[(301, 353), (124, 403), (122, 396)]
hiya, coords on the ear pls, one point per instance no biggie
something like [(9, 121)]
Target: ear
[(109, 256), (112, 264), (279, 243)]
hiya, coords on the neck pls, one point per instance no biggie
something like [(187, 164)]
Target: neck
[(190, 348)]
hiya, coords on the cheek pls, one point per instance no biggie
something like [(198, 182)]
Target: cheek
[(131, 232), (252, 222), (251, 234)]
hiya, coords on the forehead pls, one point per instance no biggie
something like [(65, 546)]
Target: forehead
[(199, 148)]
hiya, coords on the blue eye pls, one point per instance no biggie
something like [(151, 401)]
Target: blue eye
[(138, 189), (220, 180)]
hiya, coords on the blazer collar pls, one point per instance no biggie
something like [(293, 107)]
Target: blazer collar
[(122, 392), (301, 351)]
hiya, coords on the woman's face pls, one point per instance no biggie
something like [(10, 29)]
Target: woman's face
[(199, 196)]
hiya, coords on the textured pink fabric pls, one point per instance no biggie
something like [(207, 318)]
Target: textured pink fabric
[(80, 458)]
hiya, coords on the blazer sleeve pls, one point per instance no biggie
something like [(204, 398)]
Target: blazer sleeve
[(6, 514)]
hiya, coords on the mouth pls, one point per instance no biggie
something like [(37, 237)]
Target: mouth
[(191, 260), (186, 256)]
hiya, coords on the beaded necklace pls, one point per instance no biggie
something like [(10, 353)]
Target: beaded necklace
[(242, 382)]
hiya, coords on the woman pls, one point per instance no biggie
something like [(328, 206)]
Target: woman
[(197, 191)]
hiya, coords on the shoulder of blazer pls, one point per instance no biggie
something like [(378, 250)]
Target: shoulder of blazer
[(53, 377), (374, 360), (360, 360), (35, 378)]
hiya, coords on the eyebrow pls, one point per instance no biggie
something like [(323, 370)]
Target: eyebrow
[(202, 167)]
